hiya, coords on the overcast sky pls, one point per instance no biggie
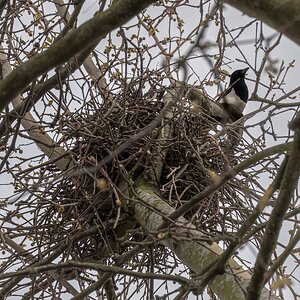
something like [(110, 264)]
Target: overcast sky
[(287, 51)]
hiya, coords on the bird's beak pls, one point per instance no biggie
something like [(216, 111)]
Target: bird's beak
[(245, 71)]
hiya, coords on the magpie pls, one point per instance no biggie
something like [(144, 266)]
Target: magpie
[(236, 96)]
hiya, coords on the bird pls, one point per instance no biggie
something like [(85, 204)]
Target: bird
[(235, 97)]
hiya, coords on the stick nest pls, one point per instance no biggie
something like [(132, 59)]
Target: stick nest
[(93, 202)]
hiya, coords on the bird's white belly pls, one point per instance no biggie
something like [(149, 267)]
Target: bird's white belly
[(235, 100)]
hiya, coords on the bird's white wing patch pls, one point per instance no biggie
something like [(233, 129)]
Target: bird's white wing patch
[(233, 99)]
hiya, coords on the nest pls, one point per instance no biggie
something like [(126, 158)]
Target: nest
[(91, 201)]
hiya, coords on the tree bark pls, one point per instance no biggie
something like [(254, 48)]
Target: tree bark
[(194, 254)]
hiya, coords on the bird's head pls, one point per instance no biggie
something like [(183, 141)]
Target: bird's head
[(237, 75)]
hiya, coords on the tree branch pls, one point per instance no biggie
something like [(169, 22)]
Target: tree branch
[(282, 15), (227, 176), (68, 46), (287, 188), (189, 250)]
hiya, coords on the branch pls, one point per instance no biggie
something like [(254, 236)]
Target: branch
[(226, 177), (287, 188), (90, 67), (68, 46), (106, 275), (218, 266), (36, 261), (165, 134), (194, 254), (136, 137), (282, 15), (283, 256), (43, 140), (94, 266), (20, 250)]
